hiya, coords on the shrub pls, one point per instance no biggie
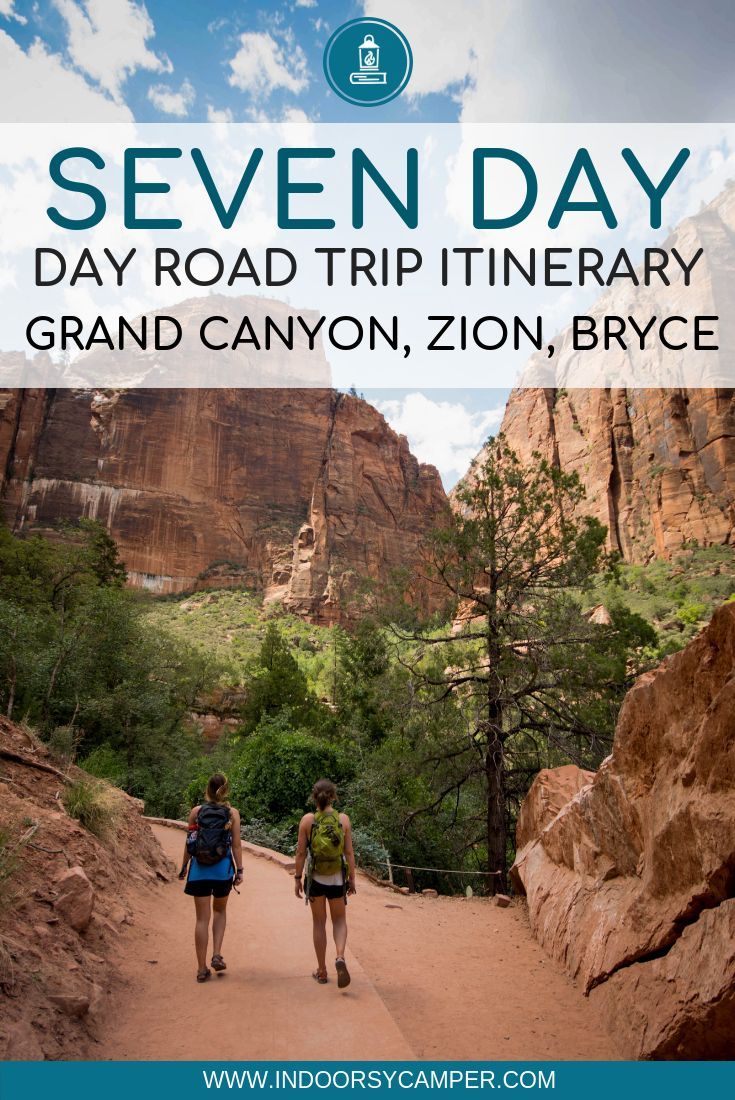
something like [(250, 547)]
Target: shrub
[(162, 777), (8, 867), (692, 613), (370, 854), (281, 838), (95, 805), (274, 769), (10, 848), (63, 743), (104, 762)]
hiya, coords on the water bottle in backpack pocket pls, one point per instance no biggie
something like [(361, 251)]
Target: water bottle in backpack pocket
[(211, 838)]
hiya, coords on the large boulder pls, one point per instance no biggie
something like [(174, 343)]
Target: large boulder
[(631, 883), (75, 898), (551, 790)]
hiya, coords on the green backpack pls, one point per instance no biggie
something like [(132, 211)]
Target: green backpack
[(327, 843)]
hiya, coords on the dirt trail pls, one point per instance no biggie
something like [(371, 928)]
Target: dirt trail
[(444, 978)]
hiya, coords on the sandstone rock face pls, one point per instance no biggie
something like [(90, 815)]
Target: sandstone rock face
[(551, 790), (632, 884), (294, 492), (658, 466), (75, 899)]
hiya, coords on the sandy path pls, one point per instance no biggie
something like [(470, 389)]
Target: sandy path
[(442, 978)]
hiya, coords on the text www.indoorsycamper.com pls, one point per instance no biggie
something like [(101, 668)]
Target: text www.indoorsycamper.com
[(379, 1079)]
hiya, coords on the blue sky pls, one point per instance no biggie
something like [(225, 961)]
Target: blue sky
[(247, 59), (480, 60), (474, 60)]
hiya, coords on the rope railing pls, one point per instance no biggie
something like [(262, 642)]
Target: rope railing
[(437, 870), (379, 862)]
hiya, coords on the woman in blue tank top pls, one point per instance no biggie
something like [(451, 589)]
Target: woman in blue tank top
[(213, 858)]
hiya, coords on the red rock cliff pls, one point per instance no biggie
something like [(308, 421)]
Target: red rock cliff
[(630, 874), (295, 492), (658, 466)]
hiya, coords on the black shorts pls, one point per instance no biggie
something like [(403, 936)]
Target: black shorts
[(321, 890), (208, 887)]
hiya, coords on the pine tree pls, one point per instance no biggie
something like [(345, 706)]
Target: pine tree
[(276, 683), (523, 664)]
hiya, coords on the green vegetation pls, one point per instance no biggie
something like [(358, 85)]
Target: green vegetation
[(526, 671), (231, 624), (273, 767), (12, 843), (432, 733), (8, 866), (277, 685), (81, 663), (676, 598), (95, 805)]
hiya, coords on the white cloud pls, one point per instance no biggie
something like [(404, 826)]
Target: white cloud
[(295, 114), (261, 65), (293, 121), (444, 433), (7, 276), (107, 40), (170, 102), (471, 50), (305, 3), (7, 10), (51, 92), (508, 60), (215, 115), (445, 39)]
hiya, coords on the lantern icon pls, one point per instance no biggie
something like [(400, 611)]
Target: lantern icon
[(369, 61), (369, 53)]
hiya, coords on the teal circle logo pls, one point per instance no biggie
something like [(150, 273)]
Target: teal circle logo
[(368, 62)]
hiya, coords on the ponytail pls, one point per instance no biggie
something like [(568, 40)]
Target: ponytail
[(218, 789), (323, 793)]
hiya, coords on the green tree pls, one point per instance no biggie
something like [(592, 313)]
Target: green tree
[(77, 654), (273, 770), (135, 680), (518, 662), (366, 682), (275, 682), (403, 776), (102, 554), (21, 630)]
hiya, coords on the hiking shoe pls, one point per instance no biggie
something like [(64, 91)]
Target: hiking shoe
[(343, 974)]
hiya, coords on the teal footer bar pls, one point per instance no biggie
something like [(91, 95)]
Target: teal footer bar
[(179, 1080)]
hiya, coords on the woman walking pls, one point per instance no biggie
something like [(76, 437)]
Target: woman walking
[(325, 838), (213, 856)]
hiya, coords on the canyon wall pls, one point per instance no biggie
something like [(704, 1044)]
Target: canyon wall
[(630, 874), (658, 466), (300, 493)]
